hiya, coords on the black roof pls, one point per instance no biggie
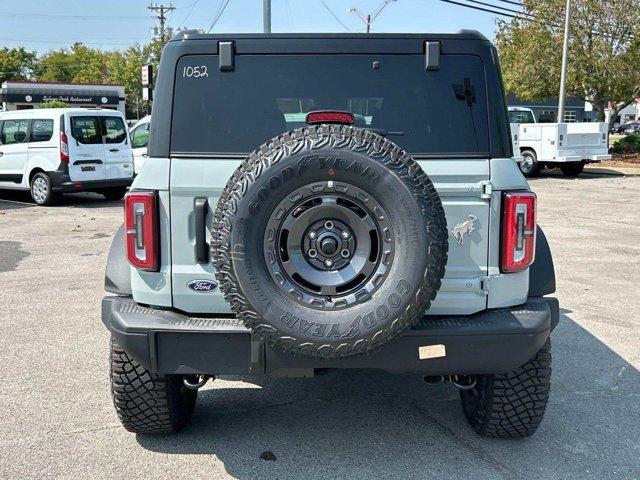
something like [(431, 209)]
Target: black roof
[(460, 35)]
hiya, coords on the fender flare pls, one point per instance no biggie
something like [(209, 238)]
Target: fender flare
[(542, 275), (117, 277)]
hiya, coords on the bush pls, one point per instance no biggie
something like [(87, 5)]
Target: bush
[(627, 145), (54, 104)]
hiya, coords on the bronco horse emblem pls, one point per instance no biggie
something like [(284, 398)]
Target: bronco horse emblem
[(460, 229)]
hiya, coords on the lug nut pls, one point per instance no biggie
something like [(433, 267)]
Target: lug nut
[(312, 253), (328, 263), (345, 253), (328, 225), (345, 234), (313, 234)]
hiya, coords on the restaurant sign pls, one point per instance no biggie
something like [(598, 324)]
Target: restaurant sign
[(70, 99)]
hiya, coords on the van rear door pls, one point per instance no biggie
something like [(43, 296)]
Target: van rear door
[(86, 148), (117, 148)]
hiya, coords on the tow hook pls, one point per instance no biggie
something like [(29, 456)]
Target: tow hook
[(201, 380), (463, 382)]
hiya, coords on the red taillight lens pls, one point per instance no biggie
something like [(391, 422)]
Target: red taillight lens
[(141, 230), (518, 231), (329, 117), (64, 148)]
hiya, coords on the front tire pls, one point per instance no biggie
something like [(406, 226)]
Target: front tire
[(41, 191), (146, 402), (510, 405), (572, 169), (530, 167)]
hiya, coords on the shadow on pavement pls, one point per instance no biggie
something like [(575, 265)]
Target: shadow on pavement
[(369, 424), (18, 199)]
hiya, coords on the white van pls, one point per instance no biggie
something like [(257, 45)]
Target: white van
[(139, 134), (57, 150)]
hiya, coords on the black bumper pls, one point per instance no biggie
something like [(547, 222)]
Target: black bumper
[(61, 182), (493, 341)]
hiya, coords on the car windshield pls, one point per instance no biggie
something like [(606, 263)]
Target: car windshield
[(521, 116), (435, 112)]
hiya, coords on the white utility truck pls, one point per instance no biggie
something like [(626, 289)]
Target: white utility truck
[(568, 146)]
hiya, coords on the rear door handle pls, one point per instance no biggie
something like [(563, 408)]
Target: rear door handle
[(114, 149), (1, 153), (200, 208)]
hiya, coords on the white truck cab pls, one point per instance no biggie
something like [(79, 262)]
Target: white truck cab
[(569, 146), (52, 151)]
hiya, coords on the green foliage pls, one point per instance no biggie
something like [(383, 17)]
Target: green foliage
[(627, 145), (54, 104), (17, 64), (82, 64), (604, 51)]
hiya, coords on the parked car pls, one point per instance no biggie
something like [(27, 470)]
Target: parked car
[(631, 128), (251, 248), (568, 146), (139, 140), (53, 151)]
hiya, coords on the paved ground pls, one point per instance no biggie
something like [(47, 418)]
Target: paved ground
[(57, 420)]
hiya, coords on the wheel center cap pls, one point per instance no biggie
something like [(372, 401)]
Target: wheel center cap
[(329, 246)]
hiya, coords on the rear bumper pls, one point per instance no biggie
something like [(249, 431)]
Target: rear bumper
[(169, 342), (61, 182), (598, 158)]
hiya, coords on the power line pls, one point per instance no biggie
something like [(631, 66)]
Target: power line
[(478, 2), (71, 17), (512, 2), (334, 15), (186, 17), (221, 10), (161, 11), (368, 19)]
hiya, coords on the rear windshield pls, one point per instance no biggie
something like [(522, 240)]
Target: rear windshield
[(437, 112), (521, 117)]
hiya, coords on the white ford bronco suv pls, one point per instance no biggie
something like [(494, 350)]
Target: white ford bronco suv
[(315, 202)]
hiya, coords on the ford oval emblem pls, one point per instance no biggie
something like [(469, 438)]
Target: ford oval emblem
[(202, 286)]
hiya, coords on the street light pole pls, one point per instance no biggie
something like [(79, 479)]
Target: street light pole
[(368, 19), (565, 61), (266, 15)]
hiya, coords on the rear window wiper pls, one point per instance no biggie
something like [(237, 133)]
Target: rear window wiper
[(384, 133)]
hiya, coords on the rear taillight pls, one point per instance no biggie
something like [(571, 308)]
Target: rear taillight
[(518, 231), (64, 148), (141, 229)]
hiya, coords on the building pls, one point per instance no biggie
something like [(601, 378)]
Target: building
[(629, 114), (21, 95), (546, 111)]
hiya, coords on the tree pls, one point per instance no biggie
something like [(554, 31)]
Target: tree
[(17, 64), (54, 104), (604, 52)]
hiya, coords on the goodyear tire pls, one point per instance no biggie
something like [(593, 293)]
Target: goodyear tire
[(329, 241), (510, 405)]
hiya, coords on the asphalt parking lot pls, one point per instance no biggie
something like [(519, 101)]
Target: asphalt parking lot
[(58, 420)]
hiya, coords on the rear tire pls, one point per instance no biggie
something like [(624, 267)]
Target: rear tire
[(529, 166), (510, 405), (146, 402), (40, 190), (572, 169), (113, 194)]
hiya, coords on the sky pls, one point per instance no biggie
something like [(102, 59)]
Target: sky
[(42, 25)]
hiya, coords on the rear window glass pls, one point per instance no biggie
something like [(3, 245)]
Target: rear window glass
[(438, 112), (114, 130), (86, 130), (521, 117), (41, 130), (13, 131)]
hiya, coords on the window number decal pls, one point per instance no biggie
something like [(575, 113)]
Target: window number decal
[(195, 72)]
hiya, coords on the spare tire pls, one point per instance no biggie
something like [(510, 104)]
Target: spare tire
[(329, 241)]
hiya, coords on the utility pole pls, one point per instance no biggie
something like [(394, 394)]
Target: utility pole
[(161, 14), (266, 15), (565, 61), (368, 19)]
